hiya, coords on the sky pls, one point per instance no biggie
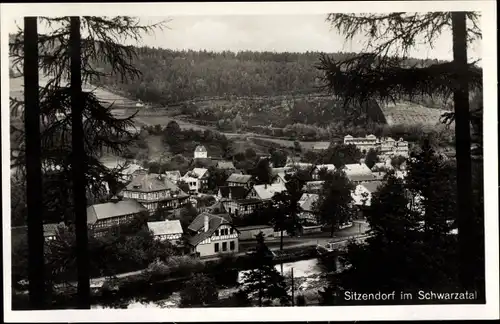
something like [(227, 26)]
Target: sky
[(270, 32)]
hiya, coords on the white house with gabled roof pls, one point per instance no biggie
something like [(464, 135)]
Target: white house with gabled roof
[(200, 152)]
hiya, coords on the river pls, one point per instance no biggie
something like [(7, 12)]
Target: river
[(305, 272)]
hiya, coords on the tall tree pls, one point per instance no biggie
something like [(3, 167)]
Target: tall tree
[(334, 205), (285, 208), (33, 166), (376, 74), (262, 172), (78, 159), (371, 158), (101, 129), (264, 281)]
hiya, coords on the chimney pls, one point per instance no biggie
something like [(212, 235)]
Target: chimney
[(206, 223)]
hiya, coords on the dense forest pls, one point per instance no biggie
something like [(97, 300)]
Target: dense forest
[(170, 77)]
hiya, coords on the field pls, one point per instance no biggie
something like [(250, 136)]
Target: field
[(404, 113), (290, 144)]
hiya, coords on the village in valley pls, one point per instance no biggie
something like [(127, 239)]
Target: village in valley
[(213, 231)]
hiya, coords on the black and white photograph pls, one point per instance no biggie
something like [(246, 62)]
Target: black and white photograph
[(249, 159)]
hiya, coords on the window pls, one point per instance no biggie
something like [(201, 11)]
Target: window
[(231, 245), (224, 246), (216, 247), (216, 232), (246, 208), (231, 231)]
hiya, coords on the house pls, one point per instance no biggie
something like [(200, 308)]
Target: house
[(390, 147), (313, 186), (212, 234), (155, 192), (279, 178), (229, 193), (115, 212), (197, 179), (200, 152), (173, 176), (364, 144), (50, 231), (240, 180), (233, 201), (241, 207), (362, 195), (265, 191), (307, 203), (387, 147), (359, 172), (225, 165), (316, 172), (170, 230)]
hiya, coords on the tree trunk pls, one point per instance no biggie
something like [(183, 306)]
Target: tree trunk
[(281, 240), (466, 227), (78, 167), (332, 230), (34, 200)]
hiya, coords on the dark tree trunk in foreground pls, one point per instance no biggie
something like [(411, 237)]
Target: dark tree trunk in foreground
[(463, 156), (33, 166), (78, 167)]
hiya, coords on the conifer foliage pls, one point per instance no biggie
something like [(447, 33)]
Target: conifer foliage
[(264, 282)]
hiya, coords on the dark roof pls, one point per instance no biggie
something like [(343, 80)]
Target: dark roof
[(239, 178), (113, 209), (252, 227), (236, 192), (214, 221), (248, 201), (152, 182)]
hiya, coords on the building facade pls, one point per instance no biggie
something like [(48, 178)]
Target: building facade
[(155, 191), (167, 230), (200, 152), (212, 235), (197, 179), (116, 212), (241, 207), (387, 147), (240, 180)]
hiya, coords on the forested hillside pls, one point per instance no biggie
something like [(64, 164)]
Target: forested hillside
[(170, 77)]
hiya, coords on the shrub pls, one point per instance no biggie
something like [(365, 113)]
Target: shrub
[(199, 291), (300, 300)]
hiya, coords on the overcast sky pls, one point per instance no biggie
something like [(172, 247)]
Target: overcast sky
[(295, 33)]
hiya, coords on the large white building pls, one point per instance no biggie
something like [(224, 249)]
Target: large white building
[(388, 147)]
